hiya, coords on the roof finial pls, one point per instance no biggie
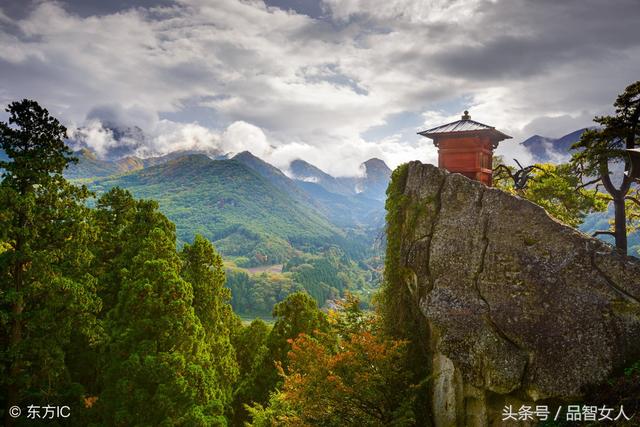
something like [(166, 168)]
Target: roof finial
[(466, 115)]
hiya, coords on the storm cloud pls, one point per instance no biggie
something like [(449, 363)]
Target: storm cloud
[(333, 82)]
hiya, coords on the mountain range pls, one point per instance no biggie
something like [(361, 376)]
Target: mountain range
[(90, 166), (253, 212), (333, 197), (371, 184), (258, 213)]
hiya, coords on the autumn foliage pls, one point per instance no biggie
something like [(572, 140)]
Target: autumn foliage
[(352, 375)]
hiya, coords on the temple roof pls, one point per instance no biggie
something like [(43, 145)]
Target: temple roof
[(463, 125)]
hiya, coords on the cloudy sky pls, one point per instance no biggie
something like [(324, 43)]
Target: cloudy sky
[(334, 82)]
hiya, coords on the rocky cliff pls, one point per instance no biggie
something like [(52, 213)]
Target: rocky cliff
[(518, 308)]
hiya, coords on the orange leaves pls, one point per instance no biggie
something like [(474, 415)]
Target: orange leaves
[(350, 374), (350, 380), (89, 401)]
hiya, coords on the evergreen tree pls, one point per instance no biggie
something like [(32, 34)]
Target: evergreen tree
[(600, 148), (160, 369), (46, 292), (114, 213), (251, 349), (123, 224), (203, 268)]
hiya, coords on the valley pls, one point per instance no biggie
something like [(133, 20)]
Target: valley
[(277, 234)]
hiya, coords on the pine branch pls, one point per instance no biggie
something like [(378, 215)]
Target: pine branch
[(599, 232)]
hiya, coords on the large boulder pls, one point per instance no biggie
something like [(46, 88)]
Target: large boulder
[(520, 308)]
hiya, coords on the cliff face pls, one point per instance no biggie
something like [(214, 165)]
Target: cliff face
[(519, 308)]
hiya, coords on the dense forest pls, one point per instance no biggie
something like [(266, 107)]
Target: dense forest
[(258, 219), (100, 312), (325, 276)]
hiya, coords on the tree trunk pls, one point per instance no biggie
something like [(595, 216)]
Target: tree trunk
[(620, 215), (620, 231)]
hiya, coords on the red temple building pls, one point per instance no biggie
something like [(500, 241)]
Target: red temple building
[(466, 147)]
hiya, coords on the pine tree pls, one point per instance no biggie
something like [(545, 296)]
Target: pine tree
[(250, 344), (600, 148), (46, 292), (160, 368), (123, 224), (203, 268)]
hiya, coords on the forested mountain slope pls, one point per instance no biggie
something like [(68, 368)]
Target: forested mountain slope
[(274, 175), (241, 212), (354, 210)]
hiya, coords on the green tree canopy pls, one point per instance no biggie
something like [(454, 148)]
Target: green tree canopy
[(34, 143), (250, 343), (557, 188), (47, 293), (202, 267), (158, 355), (297, 314)]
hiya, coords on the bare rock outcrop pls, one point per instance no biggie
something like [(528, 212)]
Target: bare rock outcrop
[(520, 308)]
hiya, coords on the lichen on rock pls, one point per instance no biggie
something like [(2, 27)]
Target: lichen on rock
[(518, 307)]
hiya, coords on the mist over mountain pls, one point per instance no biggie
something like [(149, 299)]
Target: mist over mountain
[(342, 207), (272, 174), (113, 134), (556, 150), (114, 137), (346, 211), (374, 182), (303, 171), (371, 182), (107, 140)]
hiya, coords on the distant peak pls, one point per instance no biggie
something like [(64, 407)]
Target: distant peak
[(190, 158), (300, 162), (376, 164), (244, 154), (375, 161)]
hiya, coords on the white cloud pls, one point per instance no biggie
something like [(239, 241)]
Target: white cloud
[(409, 10), (285, 85), (95, 136), (241, 136), (345, 157), (558, 126), (170, 136), (164, 137)]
